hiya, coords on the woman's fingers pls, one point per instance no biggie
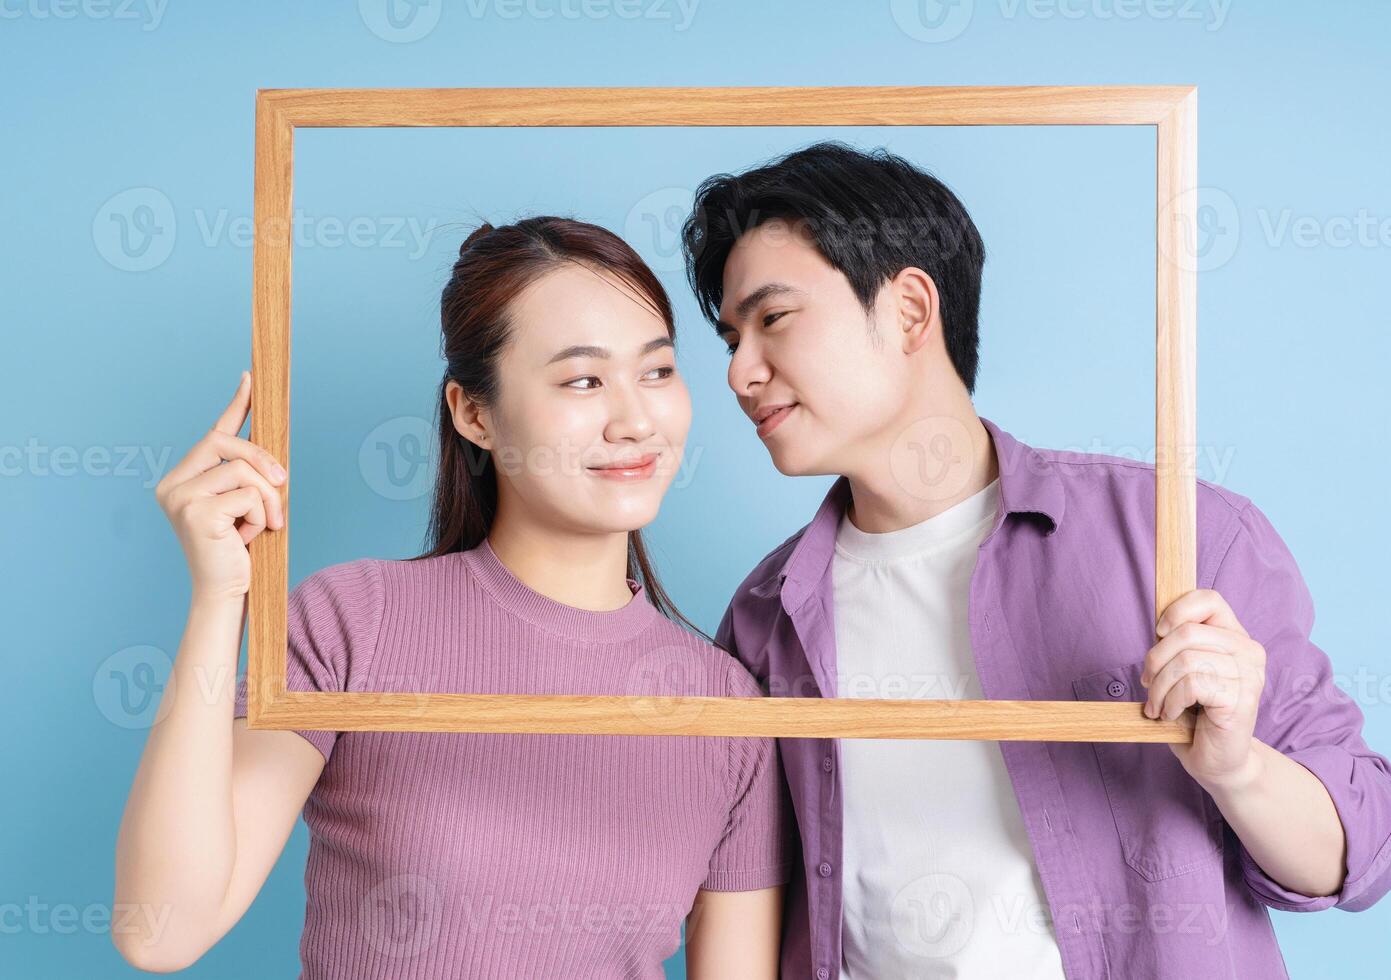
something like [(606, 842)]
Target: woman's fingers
[(209, 452), (222, 442), (248, 504), (221, 512), (233, 475), (234, 415)]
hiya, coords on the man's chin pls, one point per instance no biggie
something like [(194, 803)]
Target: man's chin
[(793, 464)]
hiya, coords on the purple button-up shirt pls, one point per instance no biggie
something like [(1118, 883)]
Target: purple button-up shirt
[(1142, 875)]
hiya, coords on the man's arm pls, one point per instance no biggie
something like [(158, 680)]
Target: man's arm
[(1278, 745)]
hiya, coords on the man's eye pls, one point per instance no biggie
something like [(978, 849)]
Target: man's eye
[(589, 377), (768, 320)]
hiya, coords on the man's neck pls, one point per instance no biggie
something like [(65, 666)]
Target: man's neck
[(932, 465)]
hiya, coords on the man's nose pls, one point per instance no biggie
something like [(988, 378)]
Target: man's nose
[(748, 370)]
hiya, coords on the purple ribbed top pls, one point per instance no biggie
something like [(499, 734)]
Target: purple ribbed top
[(442, 854)]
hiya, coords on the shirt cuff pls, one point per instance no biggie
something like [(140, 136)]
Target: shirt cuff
[(1367, 861)]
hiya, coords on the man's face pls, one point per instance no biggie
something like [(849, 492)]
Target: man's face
[(802, 340)]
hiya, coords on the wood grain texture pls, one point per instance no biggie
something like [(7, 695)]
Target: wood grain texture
[(871, 105), (1058, 721), (267, 601), (1176, 364), (1172, 110)]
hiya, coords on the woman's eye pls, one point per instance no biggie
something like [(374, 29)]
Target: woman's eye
[(665, 371), (730, 349), (576, 383)]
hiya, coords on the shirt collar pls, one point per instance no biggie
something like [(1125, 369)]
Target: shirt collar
[(1029, 484)]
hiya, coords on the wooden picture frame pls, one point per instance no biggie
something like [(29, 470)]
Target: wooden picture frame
[(1172, 110)]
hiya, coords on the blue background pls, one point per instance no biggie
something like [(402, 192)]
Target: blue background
[(125, 283)]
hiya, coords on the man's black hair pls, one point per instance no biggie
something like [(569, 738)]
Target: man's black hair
[(870, 214)]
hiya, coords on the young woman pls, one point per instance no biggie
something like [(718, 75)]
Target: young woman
[(562, 421)]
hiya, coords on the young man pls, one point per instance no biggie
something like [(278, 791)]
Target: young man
[(950, 560)]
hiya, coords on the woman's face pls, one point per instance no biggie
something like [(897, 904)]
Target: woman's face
[(591, 416)]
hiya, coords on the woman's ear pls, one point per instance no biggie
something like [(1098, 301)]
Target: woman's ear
[(917, 307), (470, 418)]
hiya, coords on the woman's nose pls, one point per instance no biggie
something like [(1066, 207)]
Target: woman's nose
[(630, 416)]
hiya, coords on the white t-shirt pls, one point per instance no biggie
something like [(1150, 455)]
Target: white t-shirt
[(938, 875)]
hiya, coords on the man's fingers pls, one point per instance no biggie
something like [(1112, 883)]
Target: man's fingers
[(1190, 636), (1217, 693), (1199, 606), (1193, 669)]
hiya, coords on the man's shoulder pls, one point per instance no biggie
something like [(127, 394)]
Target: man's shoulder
[(770, 565), (1110, 479)]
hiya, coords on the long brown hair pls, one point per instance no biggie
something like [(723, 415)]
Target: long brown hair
[(495, 264)]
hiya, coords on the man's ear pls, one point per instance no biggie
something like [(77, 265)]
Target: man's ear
[(470, 419), (916, 306)]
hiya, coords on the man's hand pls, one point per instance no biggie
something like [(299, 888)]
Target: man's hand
[(1205, 657)]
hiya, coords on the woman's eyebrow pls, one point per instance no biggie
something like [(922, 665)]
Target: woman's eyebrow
[(590, 350)]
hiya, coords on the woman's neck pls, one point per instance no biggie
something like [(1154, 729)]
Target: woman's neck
[(587, 571)]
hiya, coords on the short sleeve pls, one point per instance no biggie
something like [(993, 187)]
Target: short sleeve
[(756, 850), (1307, 716), (332, 621)]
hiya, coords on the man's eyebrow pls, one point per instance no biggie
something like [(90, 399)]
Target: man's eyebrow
[(750, 302), (589, 350)]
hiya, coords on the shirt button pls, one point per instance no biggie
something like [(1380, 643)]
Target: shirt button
[(822, 973), (1115, 689), (824, 870), (826, 763)]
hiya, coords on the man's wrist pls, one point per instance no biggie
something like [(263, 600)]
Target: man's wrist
[(1244, 780)]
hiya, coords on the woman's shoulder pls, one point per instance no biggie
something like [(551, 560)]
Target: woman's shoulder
[(719, 664), (381, 573), (349, 592), (357, 578)]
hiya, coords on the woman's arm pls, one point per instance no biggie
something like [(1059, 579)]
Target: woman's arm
[(734, 935), (212, 803), (210, 808)]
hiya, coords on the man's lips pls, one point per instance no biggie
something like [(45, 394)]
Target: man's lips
[(772, 419)]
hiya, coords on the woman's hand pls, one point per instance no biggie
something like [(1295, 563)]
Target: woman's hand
[(1206, 657), (219, 497)]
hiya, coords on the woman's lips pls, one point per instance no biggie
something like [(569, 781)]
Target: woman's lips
[(639, 471), (773, 421)]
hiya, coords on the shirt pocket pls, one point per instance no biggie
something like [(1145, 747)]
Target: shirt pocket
[(1168, 825)]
